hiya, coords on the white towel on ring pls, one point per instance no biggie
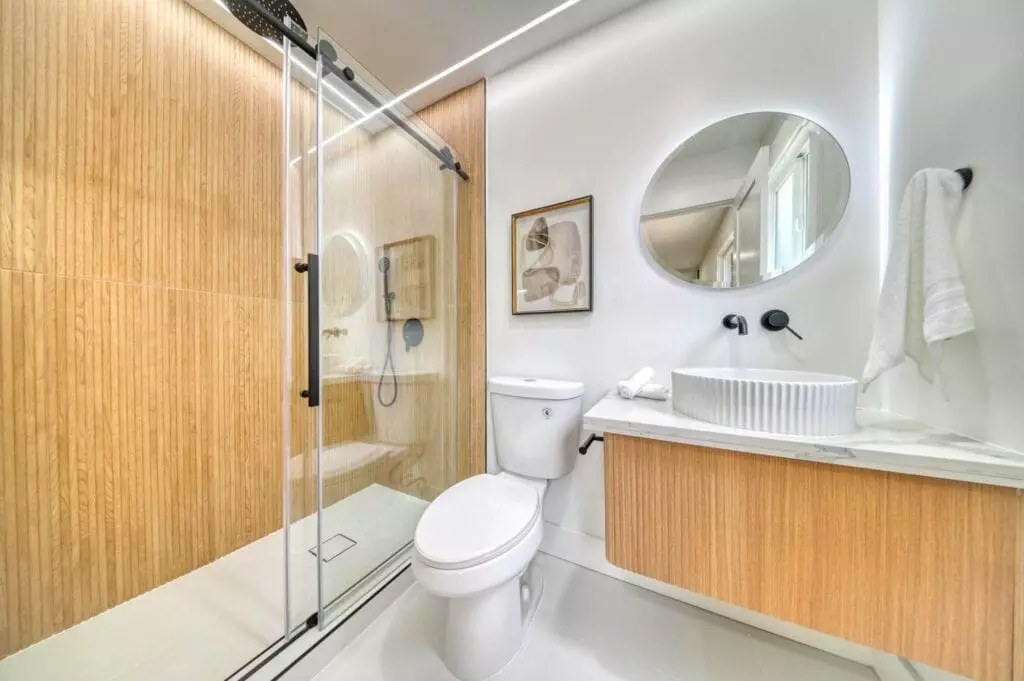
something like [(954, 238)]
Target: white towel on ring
[(923, 300)]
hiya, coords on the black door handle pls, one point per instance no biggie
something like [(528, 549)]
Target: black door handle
[(311, 268)]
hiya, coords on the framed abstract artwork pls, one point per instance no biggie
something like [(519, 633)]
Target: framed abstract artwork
[(553, 258)]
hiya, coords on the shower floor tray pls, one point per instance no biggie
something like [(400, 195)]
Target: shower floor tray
[(209, 622)]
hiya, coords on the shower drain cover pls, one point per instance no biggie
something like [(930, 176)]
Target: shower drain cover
[(334, 546)]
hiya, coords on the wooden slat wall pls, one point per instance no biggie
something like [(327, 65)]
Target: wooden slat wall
[(460, 119), (139, 325), (386, 188), (140, 315), (420, 467), (919, 567), (1018, 620)]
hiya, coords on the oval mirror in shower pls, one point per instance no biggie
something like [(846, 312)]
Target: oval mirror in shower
[(345, 273), (745, 200)]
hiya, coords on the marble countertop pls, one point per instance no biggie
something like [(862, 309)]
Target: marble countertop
[(882, 441)]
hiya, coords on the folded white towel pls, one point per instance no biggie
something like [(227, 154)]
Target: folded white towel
[(654, 391), (631, 386), (922, 300)]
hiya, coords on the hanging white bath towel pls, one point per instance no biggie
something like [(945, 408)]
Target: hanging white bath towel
[(923, 300)]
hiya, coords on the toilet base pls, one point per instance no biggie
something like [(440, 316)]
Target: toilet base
[(484, 632)]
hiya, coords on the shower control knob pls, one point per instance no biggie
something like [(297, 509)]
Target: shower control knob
[(777, 320)]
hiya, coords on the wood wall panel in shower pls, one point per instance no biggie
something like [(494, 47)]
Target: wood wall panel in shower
[(140, 316), (140, 326), (417, 468), (1018, 599), (388, 190), (461, 119)]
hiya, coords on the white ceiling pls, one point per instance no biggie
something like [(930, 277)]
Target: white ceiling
[(680, 242), (737, 131), (405, 42)]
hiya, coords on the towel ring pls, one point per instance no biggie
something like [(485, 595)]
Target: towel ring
[(967, 174)]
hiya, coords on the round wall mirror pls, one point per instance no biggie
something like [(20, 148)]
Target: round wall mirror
[(745, 200), (346, 282)]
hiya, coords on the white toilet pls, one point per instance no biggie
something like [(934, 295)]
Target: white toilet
[(475, 543)]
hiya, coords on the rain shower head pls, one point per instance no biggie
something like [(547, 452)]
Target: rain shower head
[(244, 12)]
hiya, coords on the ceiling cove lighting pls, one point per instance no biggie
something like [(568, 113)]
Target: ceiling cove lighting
[(555, 11), (455, 67)]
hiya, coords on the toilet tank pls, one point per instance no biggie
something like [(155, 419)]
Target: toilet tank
[(536, 425)]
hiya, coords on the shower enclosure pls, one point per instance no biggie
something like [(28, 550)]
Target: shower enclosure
[(370, 206), (227, 337)]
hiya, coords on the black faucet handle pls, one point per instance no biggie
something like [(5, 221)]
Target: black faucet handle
[(777, 320)]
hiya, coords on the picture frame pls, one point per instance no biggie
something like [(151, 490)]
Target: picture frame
[(552, 258)]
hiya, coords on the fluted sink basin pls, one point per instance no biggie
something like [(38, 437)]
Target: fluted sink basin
[(767, 400)]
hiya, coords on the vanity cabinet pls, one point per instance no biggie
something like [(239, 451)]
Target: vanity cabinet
[(922, 567)]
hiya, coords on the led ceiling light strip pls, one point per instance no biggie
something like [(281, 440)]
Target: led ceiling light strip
[(458, 65)]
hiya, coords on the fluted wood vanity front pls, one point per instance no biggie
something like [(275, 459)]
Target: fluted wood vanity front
[(920, 566)]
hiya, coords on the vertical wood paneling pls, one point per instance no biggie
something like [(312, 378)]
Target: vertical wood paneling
[(919, 567), (7, 134), (460, 119), (140, 333), (363, 171), (1018, 596), (139, 328)]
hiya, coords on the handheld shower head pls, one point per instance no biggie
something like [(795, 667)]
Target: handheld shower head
[(384, 264)]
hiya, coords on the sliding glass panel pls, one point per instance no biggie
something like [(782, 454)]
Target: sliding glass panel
[(387, 329), (299, 216)]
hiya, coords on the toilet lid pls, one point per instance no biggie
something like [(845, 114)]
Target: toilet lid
[(476, 520)]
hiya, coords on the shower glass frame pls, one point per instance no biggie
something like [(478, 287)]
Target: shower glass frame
[(345, 91)]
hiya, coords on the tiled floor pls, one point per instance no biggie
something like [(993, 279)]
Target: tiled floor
[(206, 624), (593, 628)]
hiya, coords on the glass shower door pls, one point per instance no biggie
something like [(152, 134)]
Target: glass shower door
[(299, 168), (386, 230)]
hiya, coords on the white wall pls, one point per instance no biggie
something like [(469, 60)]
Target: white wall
[(598, 114), (952, 76)]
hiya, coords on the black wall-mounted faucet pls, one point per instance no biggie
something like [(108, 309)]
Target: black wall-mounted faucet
[(777, 320), (735, 321)]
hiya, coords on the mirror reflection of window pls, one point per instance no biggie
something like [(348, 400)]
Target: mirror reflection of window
[(790, 202), (790, 207), (726, 264), (745, 200)]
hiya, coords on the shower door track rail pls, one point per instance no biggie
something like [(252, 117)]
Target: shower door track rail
[(347, 604), (444, 154)]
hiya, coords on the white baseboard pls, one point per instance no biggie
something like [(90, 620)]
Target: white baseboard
[(589, 552)]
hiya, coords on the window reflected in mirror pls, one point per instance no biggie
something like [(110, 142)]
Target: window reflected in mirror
[(745, 200)]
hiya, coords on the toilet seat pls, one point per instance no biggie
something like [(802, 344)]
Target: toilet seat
[(475, 521)]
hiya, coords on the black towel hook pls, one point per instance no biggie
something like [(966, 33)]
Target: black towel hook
[(967, 174)]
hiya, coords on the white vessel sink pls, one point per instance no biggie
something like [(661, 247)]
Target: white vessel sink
[(767, 400)]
